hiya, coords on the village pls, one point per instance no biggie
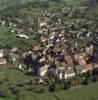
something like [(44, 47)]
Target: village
[(52, 47)]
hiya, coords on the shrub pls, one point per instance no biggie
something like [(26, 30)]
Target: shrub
[(52, 88), (67, 85), (14, 90), (2, 94)]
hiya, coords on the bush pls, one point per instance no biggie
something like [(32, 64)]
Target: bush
[(14, 90), (67, 85), (94, 78), (2, 94), (52, 88), (38, 89)]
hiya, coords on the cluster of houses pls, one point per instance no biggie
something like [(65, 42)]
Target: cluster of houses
[(57, 61), (9, 56), (59, 51), (62, 53)]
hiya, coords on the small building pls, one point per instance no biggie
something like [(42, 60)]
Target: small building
[(65, 73), (79, 68), (3, 23), (22, 36), (42, 71), (1, 53), (2, 61), (87, 67)]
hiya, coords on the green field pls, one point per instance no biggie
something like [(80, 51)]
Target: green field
[(73, 2), (82, 93), (3, 29)]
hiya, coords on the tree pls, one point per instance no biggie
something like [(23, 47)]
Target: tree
[(52, 88), (57, 1), (67, 85)]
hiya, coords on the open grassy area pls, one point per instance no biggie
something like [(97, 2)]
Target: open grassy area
[(12, 74), (3, 29), (83, 93), (73, 2)]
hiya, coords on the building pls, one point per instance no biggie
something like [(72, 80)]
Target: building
[(1, 53), (64, 73), (42, 71), (2, 61), (22, 36)]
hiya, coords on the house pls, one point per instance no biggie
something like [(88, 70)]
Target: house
[(80, 58), (22, 36), (13, 31), (96, 65), (65, 72), (79, 68), (70, 72), (2, 61), (69, 60), (96, 58), (3, 23), (1, 53), (13, 57), (87, 67), (37, 47), (42, 22), (42, 71), (82, 8), (14, 49)]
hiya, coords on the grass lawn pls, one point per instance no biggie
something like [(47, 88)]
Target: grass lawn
[(83, 93), (73, 2), (3, 29), (12, 74)]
